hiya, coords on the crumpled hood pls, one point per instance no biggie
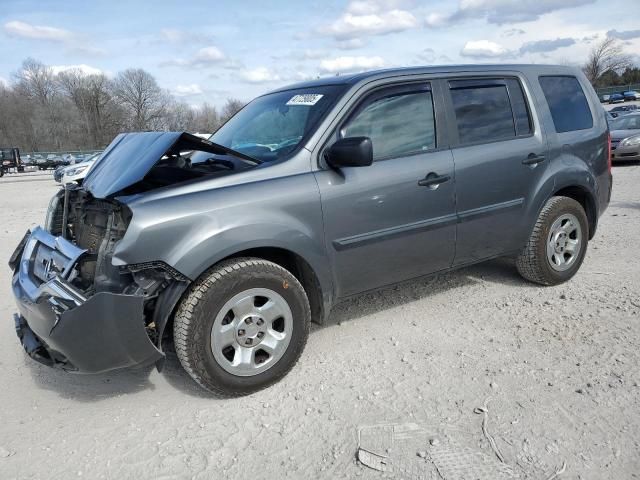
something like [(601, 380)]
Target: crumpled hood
[(127, 160)]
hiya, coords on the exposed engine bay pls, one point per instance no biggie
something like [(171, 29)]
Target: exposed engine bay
[(96, 225)]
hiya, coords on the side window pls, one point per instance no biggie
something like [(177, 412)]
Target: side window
[(399, 122), (569, 107), (489, 110)]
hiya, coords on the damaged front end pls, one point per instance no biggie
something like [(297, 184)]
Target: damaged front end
[(77, 310)]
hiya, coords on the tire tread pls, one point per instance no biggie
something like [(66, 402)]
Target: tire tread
[(529, 263), (185, 319)]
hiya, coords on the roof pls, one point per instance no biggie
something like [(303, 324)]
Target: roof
[(352, 79)]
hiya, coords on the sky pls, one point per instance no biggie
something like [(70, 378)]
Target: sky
[(210, 50)]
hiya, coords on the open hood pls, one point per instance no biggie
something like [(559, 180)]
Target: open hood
[(131, 156)]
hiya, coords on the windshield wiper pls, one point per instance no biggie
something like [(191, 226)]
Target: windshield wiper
[(222, 150)]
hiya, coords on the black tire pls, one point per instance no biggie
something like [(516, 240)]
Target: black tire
[(203, 301), (532, 263)]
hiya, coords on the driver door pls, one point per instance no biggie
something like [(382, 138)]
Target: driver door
[(385, 223)]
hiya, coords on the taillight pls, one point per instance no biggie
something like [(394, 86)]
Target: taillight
[(609, 151)]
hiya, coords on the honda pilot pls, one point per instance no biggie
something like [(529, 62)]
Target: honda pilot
[(310, 194)]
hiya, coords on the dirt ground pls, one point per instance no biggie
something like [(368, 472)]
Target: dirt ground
[(403, 369)]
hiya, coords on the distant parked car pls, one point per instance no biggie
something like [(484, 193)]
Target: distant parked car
[(631, 95), (46, 163), (69, 159), (623, 110), (628, 150), (616, 98), (76, 173), (623, 129), (605, 98), (58, 173)]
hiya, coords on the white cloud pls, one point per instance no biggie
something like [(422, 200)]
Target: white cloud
[(624, 35), (84, 49), (204, 56), (172, 34), (4, 82), (437, 20), (502, 11), (351, 44), (311, 54), (187, 90), (36, 32), (86, 69), (542, 46), (483, 49), (371, 18), (427, 55), (259, 75), (208, 55), (350, 64)]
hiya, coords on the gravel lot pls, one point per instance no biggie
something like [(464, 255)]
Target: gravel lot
[(561, 365)]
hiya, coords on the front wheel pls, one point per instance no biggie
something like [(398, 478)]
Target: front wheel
[(557, 245), (242, 326)]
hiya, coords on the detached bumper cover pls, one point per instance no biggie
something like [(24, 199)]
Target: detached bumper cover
[(58, 326)]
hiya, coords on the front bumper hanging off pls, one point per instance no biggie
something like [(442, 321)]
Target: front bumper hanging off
[(59, 326)]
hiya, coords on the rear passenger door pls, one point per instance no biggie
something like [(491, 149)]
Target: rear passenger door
[(500, 153)]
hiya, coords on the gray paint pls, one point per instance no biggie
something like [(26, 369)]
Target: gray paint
[(364, 227), (360, 228)]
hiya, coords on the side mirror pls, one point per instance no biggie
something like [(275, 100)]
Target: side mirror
[(350, 152)]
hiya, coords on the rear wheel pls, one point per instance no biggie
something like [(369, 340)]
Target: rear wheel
[(242, 326), (558, 243)]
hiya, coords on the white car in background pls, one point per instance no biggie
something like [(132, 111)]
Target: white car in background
[(77, 172)]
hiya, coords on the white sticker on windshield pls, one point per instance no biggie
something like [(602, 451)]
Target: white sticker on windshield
[(306, 99)]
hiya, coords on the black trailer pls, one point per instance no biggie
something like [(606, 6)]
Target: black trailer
[(10, 161)]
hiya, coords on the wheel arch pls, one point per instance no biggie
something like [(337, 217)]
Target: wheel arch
[(319, 294), (586, 199), (299, 268)]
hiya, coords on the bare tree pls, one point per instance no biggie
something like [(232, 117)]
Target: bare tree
[(179, 117), (606, 56), (92, 97), (37, 81), (206, 119), (231, 107), (141, 97), (70, 110)]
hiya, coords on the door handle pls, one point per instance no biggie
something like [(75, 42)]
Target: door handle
[(433, 180), (533, 159)]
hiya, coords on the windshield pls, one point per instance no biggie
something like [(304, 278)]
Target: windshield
[(273, 126), (628, 122)]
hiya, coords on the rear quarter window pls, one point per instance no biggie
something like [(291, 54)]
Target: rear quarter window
[(568, 104), (489, 110)]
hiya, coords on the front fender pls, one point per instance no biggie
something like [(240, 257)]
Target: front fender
[(194, 231)]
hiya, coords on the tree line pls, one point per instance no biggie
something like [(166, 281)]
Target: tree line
[(608, 65), (42, 110)]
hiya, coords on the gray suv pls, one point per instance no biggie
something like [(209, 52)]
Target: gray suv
[(310, 194)]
